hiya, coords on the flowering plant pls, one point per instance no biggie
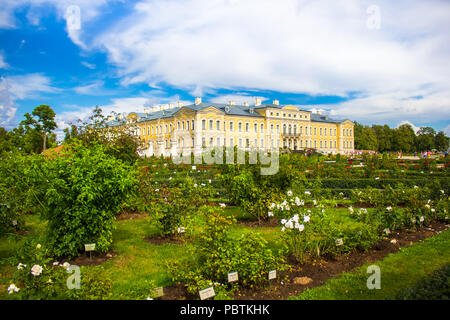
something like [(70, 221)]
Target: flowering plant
[(38, 279)]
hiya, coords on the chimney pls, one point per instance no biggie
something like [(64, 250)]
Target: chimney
[(319, 112), (231, 103), (198, 100), (246, 104), (146, 110), (120, 116), (171, 105), (276, 102), (179, 104), (257, 101)]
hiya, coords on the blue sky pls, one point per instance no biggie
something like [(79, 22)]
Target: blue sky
[(373, 62)]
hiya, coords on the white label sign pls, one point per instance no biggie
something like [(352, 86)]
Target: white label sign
[(89, 247), (157, 292), (233, 277), (272, 274), (206, 293)]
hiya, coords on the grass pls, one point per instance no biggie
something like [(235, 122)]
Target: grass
[(139, 265), (398, 271)]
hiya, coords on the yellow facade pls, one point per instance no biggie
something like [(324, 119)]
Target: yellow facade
[(265, 126)]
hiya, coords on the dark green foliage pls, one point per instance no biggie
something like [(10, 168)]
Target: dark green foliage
[(434, 287), (215, 253), (84, 192)]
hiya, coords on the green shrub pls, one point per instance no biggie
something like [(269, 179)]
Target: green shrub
[(84, 192), (434, 287), (21, 183), (36, 278), (94, 285), (215, 253)]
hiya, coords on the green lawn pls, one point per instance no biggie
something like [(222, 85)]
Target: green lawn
[(398, 271), (139, 264)]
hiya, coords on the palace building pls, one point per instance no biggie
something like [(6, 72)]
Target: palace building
[(171, 129)]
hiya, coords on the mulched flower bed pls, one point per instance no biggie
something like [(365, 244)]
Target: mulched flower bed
[(319, 271), (94, 259)]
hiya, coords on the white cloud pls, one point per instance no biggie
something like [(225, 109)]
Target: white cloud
[(7, 106), (239, 98), (312, 47), (3, 64), (30, 85), (447, 130), (416, 106), (297, 46), (415, 128), (88, 9), (74, 113), (88, 65), (20, 87), (94, 89)]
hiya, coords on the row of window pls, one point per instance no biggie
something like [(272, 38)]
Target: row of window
[(241, 141), (289, 115), (287, 128)]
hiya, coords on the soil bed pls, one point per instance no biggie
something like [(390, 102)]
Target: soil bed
[(159, 240), (256, 224), (94, 260), (319, 271), (127, 216)]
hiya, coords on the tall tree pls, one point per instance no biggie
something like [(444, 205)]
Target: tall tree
[(384, 136), (425, 139), (404, 138), (365, 138), (441, 141), (45, 122)]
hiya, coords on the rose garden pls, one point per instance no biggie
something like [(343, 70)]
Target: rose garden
[(316, 226)]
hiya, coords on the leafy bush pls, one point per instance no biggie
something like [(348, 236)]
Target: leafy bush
[(215, 253), (434, 287), (36, 279), (94, 285), (84, 191), (21, 185)]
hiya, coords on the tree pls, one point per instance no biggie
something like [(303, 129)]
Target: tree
[(404, 138), (45, 122), (33, 135), (122, 144), (441, 141), (365, 138), (425, 139), (384, 136), (5, 143)]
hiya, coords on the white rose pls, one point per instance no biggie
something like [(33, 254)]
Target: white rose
[(36, 270), (12, 288), (306, 219)]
